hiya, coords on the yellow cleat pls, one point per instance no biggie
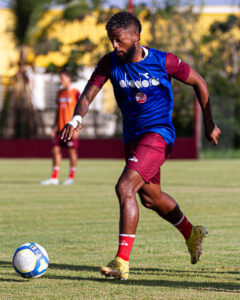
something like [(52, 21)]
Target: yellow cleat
[(194, 242), (117, 268)]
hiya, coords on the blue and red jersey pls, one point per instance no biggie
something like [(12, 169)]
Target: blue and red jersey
[(143, 91)]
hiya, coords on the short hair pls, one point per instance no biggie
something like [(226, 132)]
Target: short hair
[(67, 72), (123, 20)]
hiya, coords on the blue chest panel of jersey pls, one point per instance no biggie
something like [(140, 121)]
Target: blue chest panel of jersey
[(144, 95)]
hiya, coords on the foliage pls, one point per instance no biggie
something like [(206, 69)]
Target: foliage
[(19, 118), (222, 65), (27, 14), (76, 10), (78, 49)]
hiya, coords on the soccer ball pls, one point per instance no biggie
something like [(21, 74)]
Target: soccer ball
[(30, 260)]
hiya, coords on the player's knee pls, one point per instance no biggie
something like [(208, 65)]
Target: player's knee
[(124, 191)]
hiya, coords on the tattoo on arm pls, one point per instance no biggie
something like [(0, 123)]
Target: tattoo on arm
[(201, 91), (208, 121), (86, 99)]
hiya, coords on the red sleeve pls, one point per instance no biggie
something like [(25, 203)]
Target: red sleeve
[(176, 68), (102, 71)]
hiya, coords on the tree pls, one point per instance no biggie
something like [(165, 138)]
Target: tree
[(78, 10), (221, 68), (19, 118)]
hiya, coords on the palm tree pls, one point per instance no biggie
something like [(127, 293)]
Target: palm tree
[(20, 119)]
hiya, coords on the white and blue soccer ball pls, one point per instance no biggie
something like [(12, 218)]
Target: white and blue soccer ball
[(30, 260)]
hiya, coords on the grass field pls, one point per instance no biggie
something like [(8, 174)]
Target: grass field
[(78, 226)]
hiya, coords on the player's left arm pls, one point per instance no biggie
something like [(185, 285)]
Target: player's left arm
[(212, 132), (184, 73)]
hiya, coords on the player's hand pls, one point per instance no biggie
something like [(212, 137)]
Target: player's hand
[(68, 131), (75, 134), (214, 136)]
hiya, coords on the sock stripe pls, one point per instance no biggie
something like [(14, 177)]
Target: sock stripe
[(180, 221), (130, 235)]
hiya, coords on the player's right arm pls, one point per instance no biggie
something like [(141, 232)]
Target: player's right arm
[(100, 75), (80, 110)]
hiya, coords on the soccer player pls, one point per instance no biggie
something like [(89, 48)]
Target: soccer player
[(66, 100), (141, 79)]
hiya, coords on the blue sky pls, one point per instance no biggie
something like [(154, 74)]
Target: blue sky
[(4, 3), (121, 3)]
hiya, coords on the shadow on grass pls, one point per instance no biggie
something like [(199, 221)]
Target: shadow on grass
[(203, 285), (207, 286), (162, 271), (7, 265), (153, 271), (11, 280), (73, 267), (182, 272)]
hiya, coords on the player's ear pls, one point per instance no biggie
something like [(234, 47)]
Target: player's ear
[(136, 37)]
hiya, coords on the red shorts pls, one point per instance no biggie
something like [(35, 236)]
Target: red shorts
[(146, 155), (69, 144)]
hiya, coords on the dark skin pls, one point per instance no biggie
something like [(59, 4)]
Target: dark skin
[(126, 46)]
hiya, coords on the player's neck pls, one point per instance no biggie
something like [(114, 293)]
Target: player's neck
[(138, 55), (67, 88)]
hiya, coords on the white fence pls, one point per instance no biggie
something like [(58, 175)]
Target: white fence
[(45, 87)]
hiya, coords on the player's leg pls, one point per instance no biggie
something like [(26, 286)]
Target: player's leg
[(56, 155), (128, 184), (154, 198), (73, 157), (72, 147), (131, 180)]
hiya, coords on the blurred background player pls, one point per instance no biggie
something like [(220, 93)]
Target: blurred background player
[(66, 100)]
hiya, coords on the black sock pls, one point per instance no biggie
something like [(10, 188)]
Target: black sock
[(174, 216)]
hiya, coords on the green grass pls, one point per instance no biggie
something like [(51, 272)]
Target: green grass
[(216, 153), (78, 226)]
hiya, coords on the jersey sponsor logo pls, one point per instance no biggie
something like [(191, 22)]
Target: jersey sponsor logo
[(144, 81), (65, 100), (146, 75), (140, 97)]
